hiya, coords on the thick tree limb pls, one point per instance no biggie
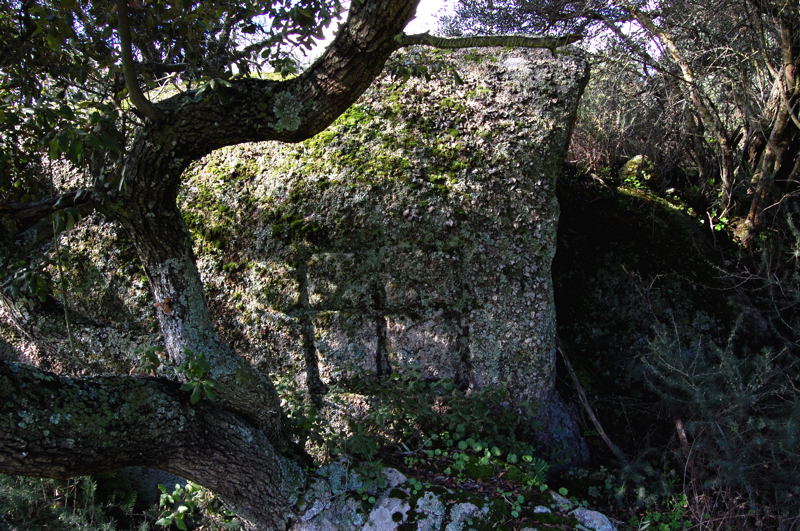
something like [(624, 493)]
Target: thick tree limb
[(138, 99), (249, 110), (59, 427), (517, 41)]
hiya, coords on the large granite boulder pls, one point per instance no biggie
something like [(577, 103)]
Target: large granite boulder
[(416, 233)]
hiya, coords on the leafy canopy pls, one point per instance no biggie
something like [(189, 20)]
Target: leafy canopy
[(62, 90)]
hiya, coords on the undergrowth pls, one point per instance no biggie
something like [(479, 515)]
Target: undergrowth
[(476, 444), (79, 503)]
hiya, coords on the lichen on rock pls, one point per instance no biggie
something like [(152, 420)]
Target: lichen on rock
[(416, 232), (420, 227)]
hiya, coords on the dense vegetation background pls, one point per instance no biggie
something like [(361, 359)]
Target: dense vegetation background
[(677, 274)]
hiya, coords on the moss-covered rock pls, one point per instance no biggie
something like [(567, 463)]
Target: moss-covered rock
[(421, 225), (332, 502), (417, 231)]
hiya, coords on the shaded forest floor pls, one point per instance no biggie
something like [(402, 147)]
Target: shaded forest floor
[(684, 356)]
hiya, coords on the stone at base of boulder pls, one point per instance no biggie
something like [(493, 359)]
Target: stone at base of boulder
[(339, 499), (593, 520)]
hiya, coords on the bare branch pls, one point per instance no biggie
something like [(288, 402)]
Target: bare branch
[(485, 41), (138, 99), (45, 207), (618, 453)]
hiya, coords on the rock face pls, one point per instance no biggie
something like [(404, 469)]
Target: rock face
[(417, 232)]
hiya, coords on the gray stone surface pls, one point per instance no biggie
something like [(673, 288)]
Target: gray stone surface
[(426, 215), (332, 503), (387, 514), (459, 513), (432, 510), (593, 520)]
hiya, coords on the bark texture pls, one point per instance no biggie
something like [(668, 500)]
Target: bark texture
[(52, 426)]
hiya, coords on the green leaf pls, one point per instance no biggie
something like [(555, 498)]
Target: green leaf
[(196, 394), (209, 389), (70, 218), (75, 151), (58, 222)]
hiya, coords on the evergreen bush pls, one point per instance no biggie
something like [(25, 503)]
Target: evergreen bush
[(737, 418)]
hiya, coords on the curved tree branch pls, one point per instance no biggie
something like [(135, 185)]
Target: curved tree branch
[(138, 99), (197, 122), (59, 427)]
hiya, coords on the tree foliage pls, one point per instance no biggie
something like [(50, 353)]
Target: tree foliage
[(717, 80), (63, 86)]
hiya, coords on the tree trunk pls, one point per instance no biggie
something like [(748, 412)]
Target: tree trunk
[(190, 128), (780, 149), (59, 427)]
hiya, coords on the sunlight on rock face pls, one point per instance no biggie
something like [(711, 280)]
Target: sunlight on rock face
[(420, 226)]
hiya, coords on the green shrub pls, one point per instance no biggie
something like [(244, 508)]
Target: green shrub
[(191, 506), (741, 413), (33, 503)]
